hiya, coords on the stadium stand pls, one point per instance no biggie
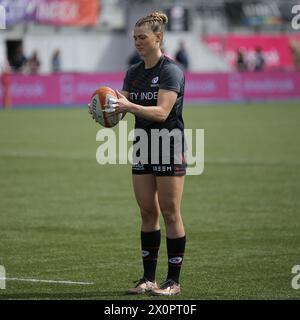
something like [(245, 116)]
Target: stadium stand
[(211, 31)]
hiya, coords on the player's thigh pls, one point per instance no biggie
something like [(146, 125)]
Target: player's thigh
[(145, 190), (169, 191)]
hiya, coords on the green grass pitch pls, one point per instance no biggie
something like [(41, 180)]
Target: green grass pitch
[(65, 217)]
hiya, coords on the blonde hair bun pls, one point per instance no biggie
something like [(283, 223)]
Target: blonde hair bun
[(159, 17), (157, 21)]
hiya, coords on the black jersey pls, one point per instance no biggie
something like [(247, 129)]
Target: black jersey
[(143, 85)]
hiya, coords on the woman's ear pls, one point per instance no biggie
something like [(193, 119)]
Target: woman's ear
[(159, 36)]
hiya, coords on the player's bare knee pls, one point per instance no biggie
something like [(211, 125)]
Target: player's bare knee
[(171, 217), (149, 214)]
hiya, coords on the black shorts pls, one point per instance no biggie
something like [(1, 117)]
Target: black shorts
[(161, 160), (160, 169)]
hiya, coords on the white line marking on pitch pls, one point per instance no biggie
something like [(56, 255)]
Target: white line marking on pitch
[(47, 281)]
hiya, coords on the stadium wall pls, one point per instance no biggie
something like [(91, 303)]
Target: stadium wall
[(71, 89), (81, 53), (106, 52)]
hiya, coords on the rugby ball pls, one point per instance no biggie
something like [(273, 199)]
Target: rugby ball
[(103, 105)]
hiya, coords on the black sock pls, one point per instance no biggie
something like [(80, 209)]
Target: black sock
[(150, 245), (175, 249)]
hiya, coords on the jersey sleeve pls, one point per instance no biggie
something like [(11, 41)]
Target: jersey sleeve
[(172, 78), (126, 83)]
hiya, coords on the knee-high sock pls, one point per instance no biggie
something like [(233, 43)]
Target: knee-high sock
[(150, 246), (175, 249)]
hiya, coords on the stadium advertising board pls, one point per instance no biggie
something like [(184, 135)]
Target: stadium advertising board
[(75, 89), (275, 48), (53, 12), (258, 13)]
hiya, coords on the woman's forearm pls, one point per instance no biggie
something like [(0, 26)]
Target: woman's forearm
[(153, 113)]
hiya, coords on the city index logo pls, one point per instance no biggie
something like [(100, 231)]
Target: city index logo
[(141, 96)]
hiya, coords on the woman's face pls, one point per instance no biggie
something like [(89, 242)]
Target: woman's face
[(145, 40)]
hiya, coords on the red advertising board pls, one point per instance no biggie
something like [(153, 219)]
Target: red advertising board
[(67, 12), (275, 48)]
